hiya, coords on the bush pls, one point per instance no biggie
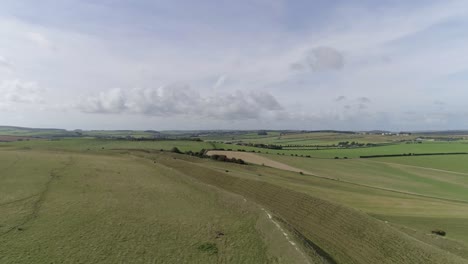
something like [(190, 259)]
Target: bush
[(176, 150), (222, 158), (208, 247), (240, 161), (439, 232)]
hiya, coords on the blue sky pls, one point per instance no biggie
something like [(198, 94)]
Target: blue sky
[(276, 64)]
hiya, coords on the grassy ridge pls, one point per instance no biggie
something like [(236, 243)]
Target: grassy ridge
[(404, 210), (399, 208), (346, 235), (69, 208)]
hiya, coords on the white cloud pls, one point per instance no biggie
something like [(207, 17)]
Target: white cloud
[(221, 80), (321, 58), (17, 91), (391, 55), (40, 39), (180, 100), (363, 100), (5, 63), (340, 98)]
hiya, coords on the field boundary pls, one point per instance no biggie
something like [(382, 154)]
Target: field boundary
[(412, 155)]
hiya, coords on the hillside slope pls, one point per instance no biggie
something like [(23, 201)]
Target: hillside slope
[(340, 234)]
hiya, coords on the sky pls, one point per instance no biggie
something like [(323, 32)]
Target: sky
[(217, 64)]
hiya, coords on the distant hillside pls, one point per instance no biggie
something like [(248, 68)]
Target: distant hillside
[(61, 133), (34, 132)]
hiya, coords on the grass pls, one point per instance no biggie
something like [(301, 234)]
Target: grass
[(104, 145), (348, 236), (384, 175), (410, 202), (310, 138), (125, 201), (69, 207), (400, 148), (456, 163)]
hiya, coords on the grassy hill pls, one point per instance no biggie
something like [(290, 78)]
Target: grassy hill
[(68, 208), (135, 201)]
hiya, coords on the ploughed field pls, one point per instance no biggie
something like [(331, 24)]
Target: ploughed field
[(118, 201)]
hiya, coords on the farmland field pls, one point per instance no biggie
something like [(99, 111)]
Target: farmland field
[(137, 201), (330, 153)]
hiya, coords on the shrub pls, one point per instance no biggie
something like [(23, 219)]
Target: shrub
[(208, 247), (176, 150), (439, 232), (222, 158)]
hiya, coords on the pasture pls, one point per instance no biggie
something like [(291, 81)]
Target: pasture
[(331, 153), (67, 208), (136, 201)]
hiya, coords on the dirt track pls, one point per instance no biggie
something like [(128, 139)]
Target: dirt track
[(255, 159)]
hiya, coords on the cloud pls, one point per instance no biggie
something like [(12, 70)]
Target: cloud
[(321, 58), (17, 91), (340, 98), (363, 100), (105, 102), (5, 63), (358, 104), (362, 106), (221, 80), (181, 100), (298, 66), (40, 40)]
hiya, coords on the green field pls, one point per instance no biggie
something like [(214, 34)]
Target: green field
[(59, 207), (95, 200), (102, 145), (456, 163), (417, 180), (400, 148)]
